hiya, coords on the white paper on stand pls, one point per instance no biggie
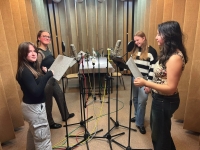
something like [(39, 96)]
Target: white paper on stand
[(60, 66), (72, 63), (133, 68)]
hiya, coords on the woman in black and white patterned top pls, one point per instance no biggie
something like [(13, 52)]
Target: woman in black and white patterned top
[(144, 57), (165, 94)]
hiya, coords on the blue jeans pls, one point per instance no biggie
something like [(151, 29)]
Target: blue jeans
[(140, 102), (162, 110)]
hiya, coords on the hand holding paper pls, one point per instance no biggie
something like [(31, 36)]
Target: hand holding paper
[(139, 82)]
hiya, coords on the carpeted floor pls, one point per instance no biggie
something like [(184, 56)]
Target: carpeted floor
[(184, 140)]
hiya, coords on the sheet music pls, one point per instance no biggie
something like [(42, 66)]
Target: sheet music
[(133, 68), (72, 63), (60, 66)]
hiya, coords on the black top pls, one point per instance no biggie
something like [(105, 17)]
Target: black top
[(47, 59), (33, 89)]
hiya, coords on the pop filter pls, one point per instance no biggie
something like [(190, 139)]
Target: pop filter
[(130, 46)]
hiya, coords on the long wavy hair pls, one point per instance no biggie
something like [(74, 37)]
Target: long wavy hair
[(23, 51), (172, 35), (144, 47)]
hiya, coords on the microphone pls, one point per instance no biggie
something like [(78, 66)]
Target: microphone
[(94, 53), (74, 51), (117, 45)]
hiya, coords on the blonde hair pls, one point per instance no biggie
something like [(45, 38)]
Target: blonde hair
[(144, 47)]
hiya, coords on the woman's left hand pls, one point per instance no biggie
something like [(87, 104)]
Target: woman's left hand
[(147, 90), (139, 81)]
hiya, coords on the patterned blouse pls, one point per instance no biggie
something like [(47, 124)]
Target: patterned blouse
[(161, 72)]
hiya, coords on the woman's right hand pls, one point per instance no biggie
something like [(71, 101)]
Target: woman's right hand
[(44, 69)]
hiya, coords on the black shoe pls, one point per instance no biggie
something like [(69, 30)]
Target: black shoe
[(55, 126), (133, 119), (142, 129), (71, 115)]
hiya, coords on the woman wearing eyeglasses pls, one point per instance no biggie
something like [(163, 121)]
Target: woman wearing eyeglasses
[(52, 89)]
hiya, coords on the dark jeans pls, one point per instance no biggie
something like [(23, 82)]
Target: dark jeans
[(162, 110)]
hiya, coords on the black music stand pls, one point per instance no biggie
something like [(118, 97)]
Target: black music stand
[(120, 63)]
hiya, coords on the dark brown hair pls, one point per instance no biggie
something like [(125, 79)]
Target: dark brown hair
[(23, 51), (172, 35)]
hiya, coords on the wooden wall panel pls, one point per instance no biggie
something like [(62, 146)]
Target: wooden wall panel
[(191, 8), (168, 7), (17, 24), (8, 76), (192, 111), (193, 101), (19, 34), (179, 16), (7, 129), (31, 22), (17, 20), (158, 20), (152, 24), (146, 18), (6, 125), (183, 81), (24, 19)]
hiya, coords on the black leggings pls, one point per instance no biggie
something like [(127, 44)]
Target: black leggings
[(53, 89)]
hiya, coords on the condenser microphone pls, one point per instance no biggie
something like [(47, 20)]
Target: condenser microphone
[(74, 51), (117, 45)]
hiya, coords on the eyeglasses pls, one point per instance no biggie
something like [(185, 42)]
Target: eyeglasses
[(45, 36)]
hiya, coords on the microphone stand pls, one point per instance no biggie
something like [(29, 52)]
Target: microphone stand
[(82, 122), (65, 105), (68, 147), (129, 131), (83, 105), (108, 135), (94, 90)]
